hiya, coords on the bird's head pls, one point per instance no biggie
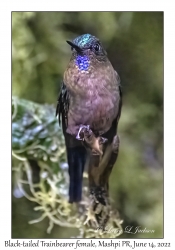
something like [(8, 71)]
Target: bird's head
[(85, 48)]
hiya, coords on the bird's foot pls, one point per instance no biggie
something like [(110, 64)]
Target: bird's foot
[(82, 130), (94, 143)]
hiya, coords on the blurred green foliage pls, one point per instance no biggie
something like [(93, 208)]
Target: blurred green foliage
[(134, 42)]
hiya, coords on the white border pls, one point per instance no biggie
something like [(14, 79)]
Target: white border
[(5, 95)]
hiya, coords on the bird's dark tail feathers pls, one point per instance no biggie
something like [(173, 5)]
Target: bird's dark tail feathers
[(76, 161)]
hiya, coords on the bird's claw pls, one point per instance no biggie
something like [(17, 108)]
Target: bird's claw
[(93, 142), (82, 129)]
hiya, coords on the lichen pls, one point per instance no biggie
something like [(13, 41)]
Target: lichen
[(37, 139)]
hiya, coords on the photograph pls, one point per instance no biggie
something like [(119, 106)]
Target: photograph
[(87, 125)]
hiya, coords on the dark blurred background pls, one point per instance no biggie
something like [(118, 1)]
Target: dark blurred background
[(134, 43)]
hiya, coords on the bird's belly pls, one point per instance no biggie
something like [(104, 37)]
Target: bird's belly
[(98, 112)]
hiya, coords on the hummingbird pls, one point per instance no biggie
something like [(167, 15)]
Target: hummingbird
[(89, 107)]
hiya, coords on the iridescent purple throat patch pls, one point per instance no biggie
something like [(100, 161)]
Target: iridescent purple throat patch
[(82, 62)]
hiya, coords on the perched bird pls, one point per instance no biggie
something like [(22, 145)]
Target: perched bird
[(89, 106)]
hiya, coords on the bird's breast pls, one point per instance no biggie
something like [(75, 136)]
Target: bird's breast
[(94, 97)]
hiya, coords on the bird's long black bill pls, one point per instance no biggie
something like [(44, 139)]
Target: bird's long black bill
[(78, 49)]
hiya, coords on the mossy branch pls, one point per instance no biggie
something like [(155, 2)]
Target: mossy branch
[(38, 143)]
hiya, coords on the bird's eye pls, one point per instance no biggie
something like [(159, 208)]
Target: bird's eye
[(97, 47)]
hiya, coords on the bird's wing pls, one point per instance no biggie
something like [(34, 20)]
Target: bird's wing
[(63, 106), (76, 152)]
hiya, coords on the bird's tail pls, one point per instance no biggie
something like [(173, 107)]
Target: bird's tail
[(76, 161)]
